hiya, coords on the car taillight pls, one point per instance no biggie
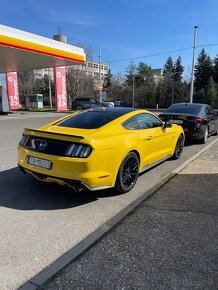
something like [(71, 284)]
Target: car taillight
[(78, 150), (198, 120)]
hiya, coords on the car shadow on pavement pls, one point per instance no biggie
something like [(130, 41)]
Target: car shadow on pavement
[(23, 192), (191, 142)]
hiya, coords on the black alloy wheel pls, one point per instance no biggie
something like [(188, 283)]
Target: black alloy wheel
[(128, 173), (204, 139), (179, 148)]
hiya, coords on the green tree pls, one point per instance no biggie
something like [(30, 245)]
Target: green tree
[(163, 93), (168, 70), (211, 93), (177, 81), (143, 73), (108, 80), (215, 69), (203, 71), (145, 86), (168, 84), (178, 70), (130, 72), (117, 90)]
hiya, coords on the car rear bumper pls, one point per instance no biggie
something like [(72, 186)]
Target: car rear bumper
[(75, 184), (90, 172), (197, 133)]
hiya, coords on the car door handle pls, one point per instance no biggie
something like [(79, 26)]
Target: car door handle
[(149, 137)]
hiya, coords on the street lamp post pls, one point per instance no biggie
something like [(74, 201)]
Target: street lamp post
[(193, 65)]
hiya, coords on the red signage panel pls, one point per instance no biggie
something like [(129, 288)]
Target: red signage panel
[(60, 88), (13, 92)]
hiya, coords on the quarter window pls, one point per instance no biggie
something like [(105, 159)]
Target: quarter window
[(207, 110), (211, 111), (142, 121)]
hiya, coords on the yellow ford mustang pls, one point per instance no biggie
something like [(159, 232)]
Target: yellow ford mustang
[(99, 148)]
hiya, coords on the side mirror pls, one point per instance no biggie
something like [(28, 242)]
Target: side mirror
[(167, 124)]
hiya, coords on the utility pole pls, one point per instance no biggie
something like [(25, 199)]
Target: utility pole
[(193, 65), (100, 91)]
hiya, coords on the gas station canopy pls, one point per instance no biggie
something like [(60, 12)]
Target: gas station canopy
[(21, 51)]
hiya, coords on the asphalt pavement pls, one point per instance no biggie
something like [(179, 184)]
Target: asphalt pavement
[(168, 242), (45, 227)]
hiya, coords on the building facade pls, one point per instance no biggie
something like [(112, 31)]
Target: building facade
[(90, 68)]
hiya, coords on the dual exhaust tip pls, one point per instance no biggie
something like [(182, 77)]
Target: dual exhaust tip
[(76, 186)]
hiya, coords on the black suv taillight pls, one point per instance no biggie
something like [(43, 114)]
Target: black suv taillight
[(198, 120)]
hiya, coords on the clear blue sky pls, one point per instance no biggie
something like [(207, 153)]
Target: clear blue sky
[(122, 29)]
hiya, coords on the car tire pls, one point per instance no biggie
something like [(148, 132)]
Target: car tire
[(179, 148), (204, 139), (128, 173), (79, 107)]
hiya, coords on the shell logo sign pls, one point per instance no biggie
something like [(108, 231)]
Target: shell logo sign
[(60, 89), (13, 92)]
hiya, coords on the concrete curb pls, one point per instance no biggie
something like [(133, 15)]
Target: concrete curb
[(68, 257)]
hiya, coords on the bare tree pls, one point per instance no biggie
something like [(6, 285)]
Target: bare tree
[(88, 50), (75, 75), (26, 83), (87, 86), (79, 82)]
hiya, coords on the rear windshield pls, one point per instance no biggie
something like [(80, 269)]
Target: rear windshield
[(183, 108), (91, 119)]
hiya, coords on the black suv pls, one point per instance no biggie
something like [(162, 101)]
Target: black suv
[(87, 103)]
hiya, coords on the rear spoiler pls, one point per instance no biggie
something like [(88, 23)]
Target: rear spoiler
[(53, 133)]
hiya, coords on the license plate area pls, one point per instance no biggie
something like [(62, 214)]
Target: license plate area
[(176, 121), (39, 162)]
